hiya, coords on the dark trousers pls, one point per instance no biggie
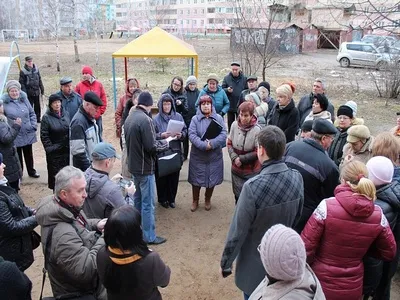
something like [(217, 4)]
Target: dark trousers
[(35, 102), (232, 116), (167, 187), (186, 147), (14, 185), (99, 123), (28, 156)]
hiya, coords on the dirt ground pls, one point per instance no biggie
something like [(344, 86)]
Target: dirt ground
[(195, 240)]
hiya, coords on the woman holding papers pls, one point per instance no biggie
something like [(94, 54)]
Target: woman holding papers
[(242, 147), (207, 133), (169, 123)]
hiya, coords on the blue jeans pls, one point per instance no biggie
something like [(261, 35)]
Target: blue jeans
[(144, 202)]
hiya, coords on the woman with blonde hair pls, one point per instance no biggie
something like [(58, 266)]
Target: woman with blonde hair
[(285, 114), (342, 230)]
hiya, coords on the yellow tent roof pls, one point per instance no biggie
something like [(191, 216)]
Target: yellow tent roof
[(156, 43)]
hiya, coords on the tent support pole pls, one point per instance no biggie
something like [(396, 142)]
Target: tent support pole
[(126, 69), (196, 69), (192, 66), (114, 84)]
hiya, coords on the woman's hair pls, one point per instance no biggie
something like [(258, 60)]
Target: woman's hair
[(286, 89), (247, 106), (387, 145), (181, 81), (355, 174), (129, 104), (123, 230), (135, 80)]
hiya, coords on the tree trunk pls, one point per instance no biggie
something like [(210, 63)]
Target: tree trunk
[(75, 32), (76, 49), (57, 54)]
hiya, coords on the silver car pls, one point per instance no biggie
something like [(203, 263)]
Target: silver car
[(361, 54)]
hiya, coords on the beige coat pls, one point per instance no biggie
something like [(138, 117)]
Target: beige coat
[(363, 155), (326, 115)]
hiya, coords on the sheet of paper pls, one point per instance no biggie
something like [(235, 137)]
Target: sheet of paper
[(168, 156), (175, 126), (170, 138)]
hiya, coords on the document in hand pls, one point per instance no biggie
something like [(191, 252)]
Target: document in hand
[(175, 126), (213, 130)]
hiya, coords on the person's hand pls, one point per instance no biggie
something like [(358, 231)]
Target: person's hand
[(178, 135), (101, 224), (18, 121), (165, 135), (230, 89), (348, 158), (178, 102), (117, 177), (237, 162), (208, 147), (130, 189)]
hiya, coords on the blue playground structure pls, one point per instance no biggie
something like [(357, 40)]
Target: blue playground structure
[(6, 63)]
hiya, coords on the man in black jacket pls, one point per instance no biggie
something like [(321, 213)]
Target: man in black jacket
[(233, 84), (84, 132), (31, 84), (142, 146), (320, 174)]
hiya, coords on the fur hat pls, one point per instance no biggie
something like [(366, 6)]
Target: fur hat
[(87, 70), (191, 79), (212, 76), (145, 99), (380, 170), (322, 100), (353, 106), (345, 110), (283, 253), (266, 85), (357, 133), (54, 97), (12, 84)]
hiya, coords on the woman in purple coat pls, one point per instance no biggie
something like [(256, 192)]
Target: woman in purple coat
[(167, 186), (206, 165)]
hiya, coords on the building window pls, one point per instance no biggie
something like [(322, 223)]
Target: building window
[(181, 11), (173, 2), (194, 22), (210, 21), (195, 1), (195, 11), (202, 22), (229, 10), (202, 11), (211, 10), (188, 11), (188, 22)]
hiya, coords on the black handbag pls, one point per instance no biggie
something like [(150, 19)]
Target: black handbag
[(168, 162), (36, 238)]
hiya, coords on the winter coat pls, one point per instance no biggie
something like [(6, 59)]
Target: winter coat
[(94, 86), (70, 103), (363, 155), (286, 118), (103, 194), (21, 108), (305, 288), (238, 84), (206, 167), (54, 134), (241, 143), (16, 225), (84, 136), (271, 102), (334, 253), (243, 95), (220, 100), (325, 115), (121, 105), (305, 106), (191, 97), (320, 174), (183, 108), (132, 275), (259, 208), (8, 134), (377, 272), (31, 81), (72, 252), (161, 121), (141, 143), (14, 284)]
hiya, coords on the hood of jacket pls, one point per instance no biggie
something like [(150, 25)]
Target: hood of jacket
[(390, 194), (89, 83), (355, 204), (163, 115), (49, 212), (127, 93), (7, 99), (200, 115), (95, 181)]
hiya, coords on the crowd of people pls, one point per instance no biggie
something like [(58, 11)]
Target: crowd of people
[(317, 196)]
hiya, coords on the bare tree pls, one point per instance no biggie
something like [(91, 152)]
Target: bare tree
[(75, 12)]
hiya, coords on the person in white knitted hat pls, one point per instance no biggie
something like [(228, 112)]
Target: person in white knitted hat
[(284, 256)]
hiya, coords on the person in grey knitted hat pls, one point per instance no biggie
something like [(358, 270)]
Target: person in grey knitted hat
[(283, 255), (12, 84)]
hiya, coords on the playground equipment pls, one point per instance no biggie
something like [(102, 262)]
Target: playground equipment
[(6, 63)]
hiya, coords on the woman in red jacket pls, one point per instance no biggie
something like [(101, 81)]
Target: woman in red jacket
[(342, 230)]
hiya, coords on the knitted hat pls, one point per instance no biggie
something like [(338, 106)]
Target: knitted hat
[(353, 106), (14, 284), (256, 98), (145, 99), (92, 98), (307, 126), (87, 70), (191, 79), (322, 100), (54, 97), (12, 84), (283, 253), (266, 85), (380, 170), (285, 89), (358, 132), (212, 77), (322, 126), (345, 110)]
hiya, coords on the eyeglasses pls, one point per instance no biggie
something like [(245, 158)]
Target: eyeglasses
[(176, 84)]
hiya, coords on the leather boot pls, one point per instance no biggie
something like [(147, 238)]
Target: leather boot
[(195, 196), (208, 194)]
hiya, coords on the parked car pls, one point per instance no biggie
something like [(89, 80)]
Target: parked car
[(361, 54), (380, 41)]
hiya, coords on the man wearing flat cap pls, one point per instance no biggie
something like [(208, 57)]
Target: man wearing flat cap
[(71, 100), (84, 132), (31, 84), (320, 174), (251, 87), (233, 84)]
